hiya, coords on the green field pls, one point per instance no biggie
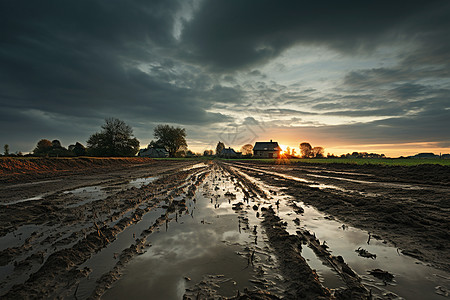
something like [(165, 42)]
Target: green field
[(358, 161)]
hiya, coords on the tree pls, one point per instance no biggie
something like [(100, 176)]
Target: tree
[(6, 147), (115, 139), (220, 146), (305, 150), (318, 151), (208, 153), (171, 138), (247, 149), (78, 149), (155, 144), (43, 147), (56, 144)]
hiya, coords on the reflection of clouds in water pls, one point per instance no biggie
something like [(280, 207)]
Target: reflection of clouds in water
[(231, 236), (187, 245)]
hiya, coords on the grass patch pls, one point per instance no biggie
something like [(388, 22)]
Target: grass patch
[(358, 161)]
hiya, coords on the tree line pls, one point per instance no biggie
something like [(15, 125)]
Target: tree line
[(115, 139)]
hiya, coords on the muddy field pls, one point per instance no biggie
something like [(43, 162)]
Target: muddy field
[(227, 230)]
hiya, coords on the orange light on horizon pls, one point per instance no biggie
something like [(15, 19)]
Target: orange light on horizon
[(283, 148)]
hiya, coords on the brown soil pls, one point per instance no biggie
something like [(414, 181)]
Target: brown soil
[(51, 260), (65, 231), (409, 206), (27, 169)]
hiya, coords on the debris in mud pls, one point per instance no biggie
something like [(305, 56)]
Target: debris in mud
[(413, 253), (355, 289), (304, 282), (207, 289), (364, 253), (383, 275), (440, 290), (230, 195), (297, 209), (238, 206)]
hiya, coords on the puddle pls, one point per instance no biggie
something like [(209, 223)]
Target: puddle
[(32, 183), (387, 184), (87, 194), (208, 238), (327, 276), (310, 183), (140, 182), (413, 279), (105, 260), (23, 200), (327, 186), (18, 237), (199, 165)]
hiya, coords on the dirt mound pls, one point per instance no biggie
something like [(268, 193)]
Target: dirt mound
[(13, 169)]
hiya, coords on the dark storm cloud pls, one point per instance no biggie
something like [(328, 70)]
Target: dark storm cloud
[(422, 127), (66, 65), (230, 35), (82, 59)]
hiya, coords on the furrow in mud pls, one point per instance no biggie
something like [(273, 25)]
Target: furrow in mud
[(414, 220), (59, 269)]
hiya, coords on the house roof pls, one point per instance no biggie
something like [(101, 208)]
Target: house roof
[(228, 151), (266, 146)]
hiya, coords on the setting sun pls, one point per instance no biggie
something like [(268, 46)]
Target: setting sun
[(283, 148)]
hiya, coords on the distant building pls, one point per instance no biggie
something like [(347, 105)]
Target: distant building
[(229, 153), (153, 152), (266, 150), (425, 155)]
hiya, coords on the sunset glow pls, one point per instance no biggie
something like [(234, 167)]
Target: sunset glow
[(268, 76)]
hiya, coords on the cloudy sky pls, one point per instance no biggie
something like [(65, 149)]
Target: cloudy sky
[(346, 75)]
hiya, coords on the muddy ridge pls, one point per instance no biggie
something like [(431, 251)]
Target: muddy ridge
[(224, 230)]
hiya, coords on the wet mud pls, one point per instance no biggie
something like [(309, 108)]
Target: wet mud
[(410, 211), (226, 230)]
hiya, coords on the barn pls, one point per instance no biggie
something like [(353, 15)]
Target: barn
[(266, 150)]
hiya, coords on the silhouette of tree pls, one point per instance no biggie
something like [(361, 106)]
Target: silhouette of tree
[(318, 151), (171, 138), (43, 147), (305, 150), (247, 149), (115, 139), (56, 144), (6, 148), (156, 144), (208, 153), (78, 149), (220, 146)]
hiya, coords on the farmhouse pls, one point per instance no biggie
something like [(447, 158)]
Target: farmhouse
[(266, 150), (229, 153), (153, 152)]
